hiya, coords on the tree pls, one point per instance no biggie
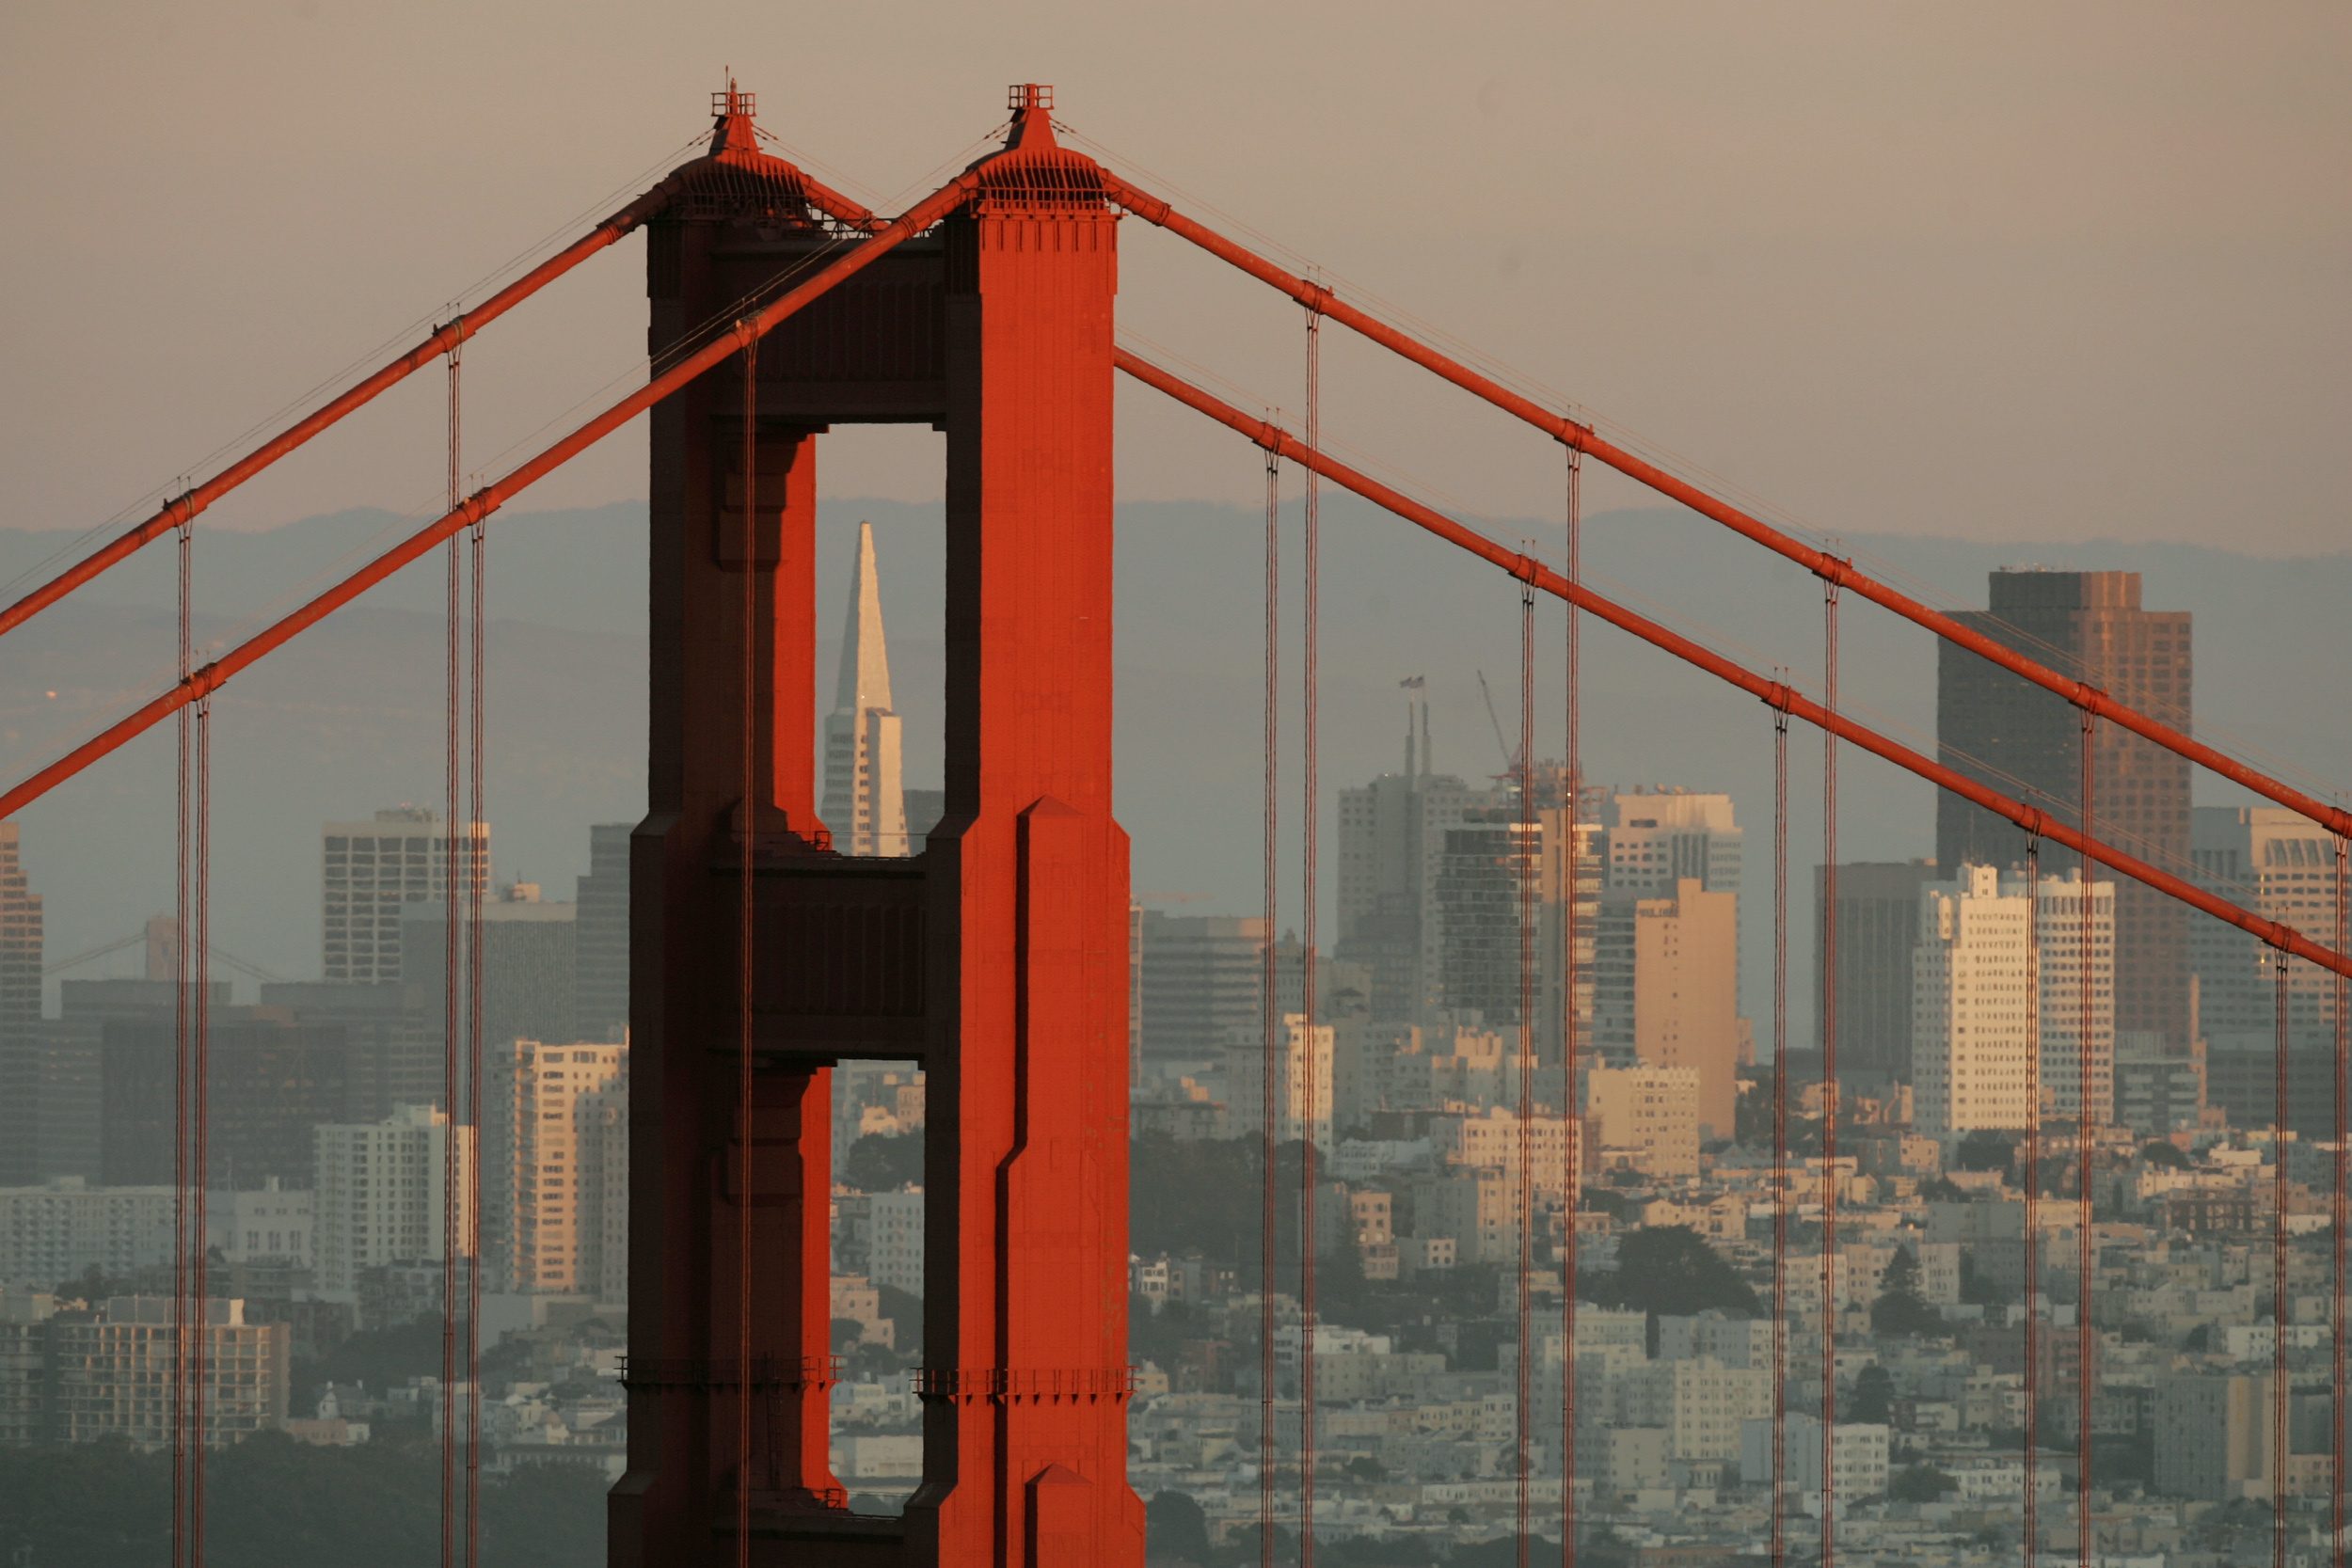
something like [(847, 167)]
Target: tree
[(1175, 1528), (2169, 1155), (883, 1161), (1920, 1483), (1367, 1469), (1873, 1397), (1670, 1270), (1901, 1309)]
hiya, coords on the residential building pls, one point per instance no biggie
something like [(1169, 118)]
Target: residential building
[(2213, 1437), (1741, 1343), (1975, 1022), (1857, 1456), (600, 942), (1665, 990), (379, 1192), (1650, 1111), (569, 1120), (370, 871), (79, 1375), (1700, 1402), (1302, 1085), (270, 1223), (1494, 1141), (1877, 930), (864, 804), (1480, 1211), (2005, 732), (54, 1232), (894, 1249)]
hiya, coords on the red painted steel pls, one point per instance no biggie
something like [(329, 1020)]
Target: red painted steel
[(1779, 693), (483, 501), (1829, 567)]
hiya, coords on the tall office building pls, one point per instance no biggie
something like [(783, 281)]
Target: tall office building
[(865, 804), (2282, 867), (2011, 736), (378, 1196), (1664, 977), (600, 959), (1391, 846), (530, 960), (570, 1133), (1201, 978), (1659, 835), (273, 1080), (1878, 928), (1973, 983), (20, 944), (370, 871)]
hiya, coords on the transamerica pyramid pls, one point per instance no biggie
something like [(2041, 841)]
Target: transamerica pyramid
[(865, 796)]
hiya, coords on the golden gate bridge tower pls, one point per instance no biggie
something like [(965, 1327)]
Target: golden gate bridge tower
[(995, 959)]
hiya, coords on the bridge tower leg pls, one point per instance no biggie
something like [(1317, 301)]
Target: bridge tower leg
[(996, 958)]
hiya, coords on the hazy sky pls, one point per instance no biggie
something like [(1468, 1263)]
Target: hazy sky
[(1994, 270)]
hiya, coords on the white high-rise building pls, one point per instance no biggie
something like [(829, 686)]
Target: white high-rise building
[(569, 1228), (865, 792), (1302, 1086), (378, 1197), (368, 870), (1973, 1001)]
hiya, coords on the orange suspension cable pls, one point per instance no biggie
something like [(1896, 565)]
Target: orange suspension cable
[(1526, 866), (1271, 1005), (1776, 694), (2340, 1198), (474, 889), (1310, 589), (1829, 1080), (744, 1128), (2085, 1137), (452, 982), (2032, 1502), (1780, 1135), (201, 1069), (183, 1046), (1571, 1018)]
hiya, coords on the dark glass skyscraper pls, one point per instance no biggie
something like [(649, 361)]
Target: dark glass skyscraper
[(2026, 743)]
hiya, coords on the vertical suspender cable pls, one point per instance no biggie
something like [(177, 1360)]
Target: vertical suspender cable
[(475, 880), (1780, 1135), (1270, 1006), (1829, 1083), (201, 1071), (457, 866), (744, 1126), (2085, 1144), (1310, 590), (2278, 1394), (1526, 865), (2340, 1198), (1572, 1124), (183, 1044), (2032, 1502)]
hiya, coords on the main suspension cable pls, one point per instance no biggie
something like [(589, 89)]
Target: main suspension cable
[(1270, 1004)]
